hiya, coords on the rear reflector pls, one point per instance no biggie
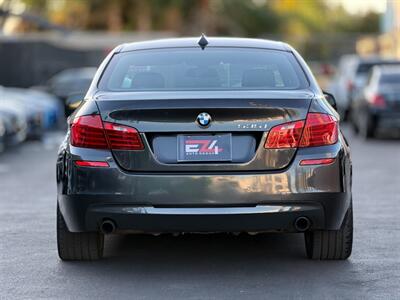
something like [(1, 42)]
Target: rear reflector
[(90, 132), (350, 85), (86, 163), (317, 130), (321, 161)]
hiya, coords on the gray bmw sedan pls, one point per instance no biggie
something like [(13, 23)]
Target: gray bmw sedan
[(204, 135)]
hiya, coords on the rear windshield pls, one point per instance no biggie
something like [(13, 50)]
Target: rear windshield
[(209, 69), (364, 68), (390, 79)]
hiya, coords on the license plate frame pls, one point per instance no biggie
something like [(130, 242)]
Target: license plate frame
[(204, 148)]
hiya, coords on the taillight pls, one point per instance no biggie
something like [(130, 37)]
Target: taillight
[(318, 130), (377, 101), (285, 135), (349, 85), (90, 132), (123, 137)]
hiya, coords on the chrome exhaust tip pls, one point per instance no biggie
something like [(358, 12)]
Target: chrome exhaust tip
[(302, 224), (107, 227)]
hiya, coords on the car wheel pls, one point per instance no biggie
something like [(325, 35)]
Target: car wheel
[(77, 245), (331, 244)]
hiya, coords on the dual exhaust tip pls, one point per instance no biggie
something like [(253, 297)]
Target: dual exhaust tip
[(302, 224), (107, 227)]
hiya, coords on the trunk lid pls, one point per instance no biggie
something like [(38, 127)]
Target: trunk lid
[(391, 94), (163, 118)]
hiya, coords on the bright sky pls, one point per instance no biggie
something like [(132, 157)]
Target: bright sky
[(362, 6)]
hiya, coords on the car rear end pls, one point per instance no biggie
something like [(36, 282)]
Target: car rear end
[(215, 140), (16, 122), (361, 73), (22, 102), (382, 103)]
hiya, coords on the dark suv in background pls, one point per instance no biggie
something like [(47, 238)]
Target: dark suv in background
[(377, 107), (351, 77)]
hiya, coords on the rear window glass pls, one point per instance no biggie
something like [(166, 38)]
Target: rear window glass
[(364, 68), (390, 79), (210, 69)]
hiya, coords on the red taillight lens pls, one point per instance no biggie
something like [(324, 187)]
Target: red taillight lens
[(377, 101), (123, 137), (285, 135), (350, 85), (89, 132), (318, 130), (321, 161), (86, 163)]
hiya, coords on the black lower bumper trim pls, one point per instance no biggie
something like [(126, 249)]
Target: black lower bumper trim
[(324, 210), (258, 218)]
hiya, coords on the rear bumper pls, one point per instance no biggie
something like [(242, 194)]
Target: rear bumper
[(220, 219), (206, 202), (324, 210), (388, 120)]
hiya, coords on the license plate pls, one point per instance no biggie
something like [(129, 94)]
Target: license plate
[(205, 147)]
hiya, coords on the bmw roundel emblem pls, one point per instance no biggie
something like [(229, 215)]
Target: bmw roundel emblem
[(204, 119)]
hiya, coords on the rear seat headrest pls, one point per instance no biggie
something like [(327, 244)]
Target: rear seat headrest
[(258, 78), (148, 80)]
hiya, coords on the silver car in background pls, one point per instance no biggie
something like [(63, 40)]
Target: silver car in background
[(351, 77), (377, 107)]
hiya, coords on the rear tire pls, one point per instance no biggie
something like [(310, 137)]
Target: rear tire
[(331, 244), (77, 245)]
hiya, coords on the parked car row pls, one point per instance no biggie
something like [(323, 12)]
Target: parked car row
[(69, 84), (27, 114), (367, 92)]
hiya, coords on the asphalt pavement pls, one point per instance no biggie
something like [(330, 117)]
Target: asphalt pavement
[(267, 266)]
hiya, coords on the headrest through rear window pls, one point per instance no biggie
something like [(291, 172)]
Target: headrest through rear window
[(148, 80), (200, 77), (258, 78)]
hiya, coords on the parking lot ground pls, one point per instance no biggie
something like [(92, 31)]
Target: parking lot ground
[(267, 266)]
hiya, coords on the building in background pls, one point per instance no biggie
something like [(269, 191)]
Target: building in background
[(389, 41), (386, 44)]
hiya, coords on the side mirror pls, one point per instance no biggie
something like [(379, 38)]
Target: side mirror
[(72, 102), (331, 99)]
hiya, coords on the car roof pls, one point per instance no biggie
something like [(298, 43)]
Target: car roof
[(75, 74), (212, 42)]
